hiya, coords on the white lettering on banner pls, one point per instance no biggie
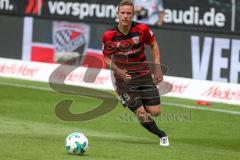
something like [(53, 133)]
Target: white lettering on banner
[(215, 47), (217, 92), (82, 10), (200, 64), (235, 61), (219, 62), (6, 5), (192, 17)]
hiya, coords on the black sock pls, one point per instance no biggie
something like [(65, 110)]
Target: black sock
[(153, 128)]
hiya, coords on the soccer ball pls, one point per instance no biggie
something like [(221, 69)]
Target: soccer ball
[(76, 143)]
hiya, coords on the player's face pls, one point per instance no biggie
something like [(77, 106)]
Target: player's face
[(125, 15)]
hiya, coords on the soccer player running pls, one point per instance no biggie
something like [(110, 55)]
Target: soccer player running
[(123, 49)]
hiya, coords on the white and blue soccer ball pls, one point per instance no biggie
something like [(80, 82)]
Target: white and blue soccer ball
[(76, 143)]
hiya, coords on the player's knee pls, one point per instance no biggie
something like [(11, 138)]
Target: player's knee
[(154, 111), (141, 114)]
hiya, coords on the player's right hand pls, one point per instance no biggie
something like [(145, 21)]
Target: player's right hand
[(123, 74)]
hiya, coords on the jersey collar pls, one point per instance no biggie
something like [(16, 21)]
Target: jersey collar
[(132, 25)]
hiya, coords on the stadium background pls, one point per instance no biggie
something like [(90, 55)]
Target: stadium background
[(33, 30), (175, 38)]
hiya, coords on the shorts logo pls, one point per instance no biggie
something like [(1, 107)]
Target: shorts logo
[(124, 98)]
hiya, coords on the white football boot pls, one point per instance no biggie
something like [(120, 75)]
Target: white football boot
[(164, 141)]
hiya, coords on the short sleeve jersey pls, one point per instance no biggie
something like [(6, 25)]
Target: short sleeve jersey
[(127, 51)]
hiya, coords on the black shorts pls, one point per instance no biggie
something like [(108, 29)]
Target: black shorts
[(138, 92)]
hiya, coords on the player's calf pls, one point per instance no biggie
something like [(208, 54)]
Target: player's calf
[(148, 123)]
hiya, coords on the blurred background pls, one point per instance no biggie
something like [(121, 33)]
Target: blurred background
[(200, 45), (198, 39)]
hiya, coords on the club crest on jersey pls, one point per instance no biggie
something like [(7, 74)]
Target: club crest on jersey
[(135, 40)]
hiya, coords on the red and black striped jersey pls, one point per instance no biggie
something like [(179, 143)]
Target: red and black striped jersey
[(127, 51)]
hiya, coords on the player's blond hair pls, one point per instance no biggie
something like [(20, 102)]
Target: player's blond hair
[(125, 3)]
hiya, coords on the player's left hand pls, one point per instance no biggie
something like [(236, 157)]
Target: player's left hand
[(160, 23), (158, 76)]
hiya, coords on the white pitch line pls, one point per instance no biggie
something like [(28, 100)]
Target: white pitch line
[(201, 108), (165, 103), (26, 86)]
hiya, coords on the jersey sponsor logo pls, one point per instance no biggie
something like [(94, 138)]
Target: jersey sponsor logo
[(130, 52), (123, 47)]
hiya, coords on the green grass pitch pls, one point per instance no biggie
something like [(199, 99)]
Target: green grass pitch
[(30, 130)]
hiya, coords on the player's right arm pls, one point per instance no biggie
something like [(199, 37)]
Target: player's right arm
[(120, 72), (109, 48)]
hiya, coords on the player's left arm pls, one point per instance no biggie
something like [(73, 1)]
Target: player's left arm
[(161, 12), (160, 22), (158, 76)]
